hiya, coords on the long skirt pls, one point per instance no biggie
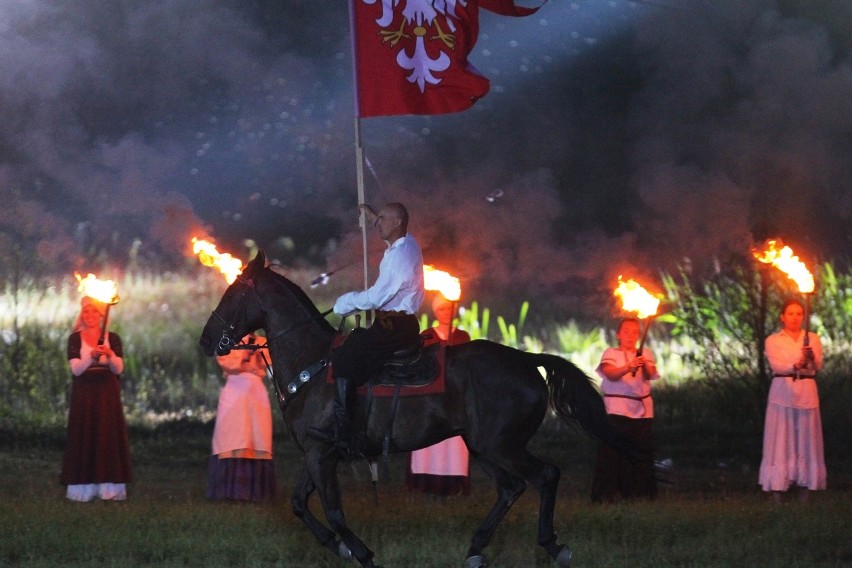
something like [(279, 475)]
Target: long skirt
[(617, 477), (792, 449), (240, 479), (241, 467), (97, 455), (440, 469)]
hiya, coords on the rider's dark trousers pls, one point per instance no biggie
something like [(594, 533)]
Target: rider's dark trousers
[(366, 349)]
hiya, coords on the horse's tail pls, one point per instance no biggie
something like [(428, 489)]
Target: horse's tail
[(575, 399)]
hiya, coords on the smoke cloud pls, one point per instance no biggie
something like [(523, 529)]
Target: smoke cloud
[(618, 138)]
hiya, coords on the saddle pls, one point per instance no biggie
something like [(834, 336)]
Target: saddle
[(416, 370), (416, 374)]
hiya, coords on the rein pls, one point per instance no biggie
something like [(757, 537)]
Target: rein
[(299, 324)]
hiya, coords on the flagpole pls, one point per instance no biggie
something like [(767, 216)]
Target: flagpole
[(359, 150), (362, 218)]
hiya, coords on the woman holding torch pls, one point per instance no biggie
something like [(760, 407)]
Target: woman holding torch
[(97, 455), (626, 372), (443, 468), (792, 435)]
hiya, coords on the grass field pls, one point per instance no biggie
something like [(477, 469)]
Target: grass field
[(712, 514)]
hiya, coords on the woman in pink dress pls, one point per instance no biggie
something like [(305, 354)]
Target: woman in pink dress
[(442, 469), (792, 433)]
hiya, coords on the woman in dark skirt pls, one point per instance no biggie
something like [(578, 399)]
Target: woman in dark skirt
[(97, 456), (626, 387), (241, 467)]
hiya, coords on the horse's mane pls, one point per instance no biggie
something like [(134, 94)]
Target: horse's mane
[(291, 288)]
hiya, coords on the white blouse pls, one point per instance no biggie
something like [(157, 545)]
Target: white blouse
[(81, 365), (630, 395), (782, 352)]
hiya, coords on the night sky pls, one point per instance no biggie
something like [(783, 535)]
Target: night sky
[(618, 137)]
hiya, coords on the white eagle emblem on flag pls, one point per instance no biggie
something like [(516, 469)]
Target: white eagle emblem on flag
[(431, 21)]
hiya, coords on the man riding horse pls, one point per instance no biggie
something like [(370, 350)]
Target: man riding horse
[(396, 296)]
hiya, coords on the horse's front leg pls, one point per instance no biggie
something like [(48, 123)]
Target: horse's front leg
[(322, 467), (301, 508)]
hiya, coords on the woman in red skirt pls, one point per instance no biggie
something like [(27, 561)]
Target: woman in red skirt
[(97, 456)]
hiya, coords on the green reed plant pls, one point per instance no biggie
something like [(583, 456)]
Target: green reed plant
[(510, 332), (469, 320), (581, 347), (832, 308)]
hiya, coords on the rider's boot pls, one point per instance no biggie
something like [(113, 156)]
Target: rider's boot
[(340, 432)]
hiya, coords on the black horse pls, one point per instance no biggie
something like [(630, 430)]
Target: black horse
[(495, 398)]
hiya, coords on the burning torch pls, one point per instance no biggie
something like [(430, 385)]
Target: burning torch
[(104, 291), (777, 254), (634, 298), (208, 255), (447, 285)]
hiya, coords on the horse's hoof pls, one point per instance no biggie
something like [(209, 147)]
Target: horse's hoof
[(477, 561), (344, 552), (563, 559)]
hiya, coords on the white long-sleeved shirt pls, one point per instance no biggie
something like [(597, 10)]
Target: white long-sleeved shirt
[(399, 286)]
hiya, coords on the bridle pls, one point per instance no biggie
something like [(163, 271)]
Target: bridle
[(228, 340)]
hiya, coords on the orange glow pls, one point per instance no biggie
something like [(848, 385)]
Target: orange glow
[(229, 266), (442, 282), (105, 291), (782, 257), (634, 298)]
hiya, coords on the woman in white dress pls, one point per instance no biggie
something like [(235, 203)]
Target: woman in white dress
[(792, 433)]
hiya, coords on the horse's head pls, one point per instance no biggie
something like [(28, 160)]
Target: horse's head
[(238, 313)]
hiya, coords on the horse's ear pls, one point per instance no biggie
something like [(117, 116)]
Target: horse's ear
[(257, 263)]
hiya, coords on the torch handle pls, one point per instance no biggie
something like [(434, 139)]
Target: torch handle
[(807, 319), (452, 317), (104, 326), (642, 343)]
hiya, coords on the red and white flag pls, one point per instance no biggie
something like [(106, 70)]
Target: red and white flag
[(411, 55)]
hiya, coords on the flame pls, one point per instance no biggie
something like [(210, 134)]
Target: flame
[(634, 298), (105, 291), (788, 263), (228, 265), (441, 281)]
